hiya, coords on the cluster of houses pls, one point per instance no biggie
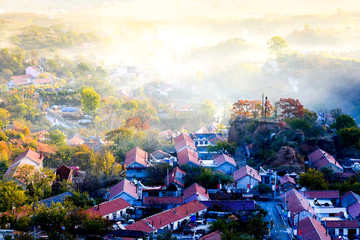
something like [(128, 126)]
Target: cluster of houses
[(31, 77), (311, 214)]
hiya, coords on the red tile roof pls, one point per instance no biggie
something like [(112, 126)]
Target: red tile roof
[(324, 194), (106, 208), (195, 189), (224, 158), (319, 159), (184, 140), (286, 179), (175, 176), (124, 186), (187, 155), (342, 224), (76, 140), (39, 81), (354, 210), (137, 155), (212, 236), (246, 171), (297, 202), (163, 200), (312, 229), (21, 79), (34, 156), (163, 219), (165, 154)]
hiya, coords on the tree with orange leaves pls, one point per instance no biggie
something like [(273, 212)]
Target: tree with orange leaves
[(247, 108), (135, 122), (290, 107)]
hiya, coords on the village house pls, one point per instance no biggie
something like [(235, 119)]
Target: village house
[(27, 158), (160, 156), (225, 163), (42, 81), (19, 81), (176, 177), (197, 192), (311, 229), (75, 140), (184, 141), (125, 190), (136, 163), (212, 236), (349, 199), (114, 210), (354, 211), (320, 159), (323, 197), (60, 198), (34, 71), (287, 183), (171, 219), (246, 178), (298, 206), (188, 156), (163, 203), (348, 229)]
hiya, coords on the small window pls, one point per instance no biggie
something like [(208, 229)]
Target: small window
[(341, 232)]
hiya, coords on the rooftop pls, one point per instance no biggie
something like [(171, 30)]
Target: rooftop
[(124, 186), (246, 171), (112, 206)]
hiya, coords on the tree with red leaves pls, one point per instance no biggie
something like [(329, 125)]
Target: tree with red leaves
[(135, 122), (290, 108), (247, 108)]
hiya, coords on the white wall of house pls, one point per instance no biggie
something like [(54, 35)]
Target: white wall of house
[(117, 214), (33, 72), (243, 182)]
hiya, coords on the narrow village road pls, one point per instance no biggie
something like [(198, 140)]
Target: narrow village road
[(279, 230)]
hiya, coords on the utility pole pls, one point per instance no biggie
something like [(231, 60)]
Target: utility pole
[(265, 105), (275, 186)]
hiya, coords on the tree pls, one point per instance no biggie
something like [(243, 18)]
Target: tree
[(4, 117), (136, 123), (290, 108), (277, 46), (11, 196), (56, 137), (207, 109), (223, 147), (349, 136), (156, 174), (90, 100), (313, 180), (343, 121)]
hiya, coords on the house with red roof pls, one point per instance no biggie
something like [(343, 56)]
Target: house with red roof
[(197, 192), (125, 190), (298, 206), (163, 203), (348, 229), (171, 219), (349, 199), (354, 211), (332, 196), (246, 178), (225, 163), (320, 159), (311, 229), (19, 81), (136, 163), (42, 81), (188, 156), (287, 183), (75, 140), (111, 210), (27, 158), (184, 141), (176, 177)]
